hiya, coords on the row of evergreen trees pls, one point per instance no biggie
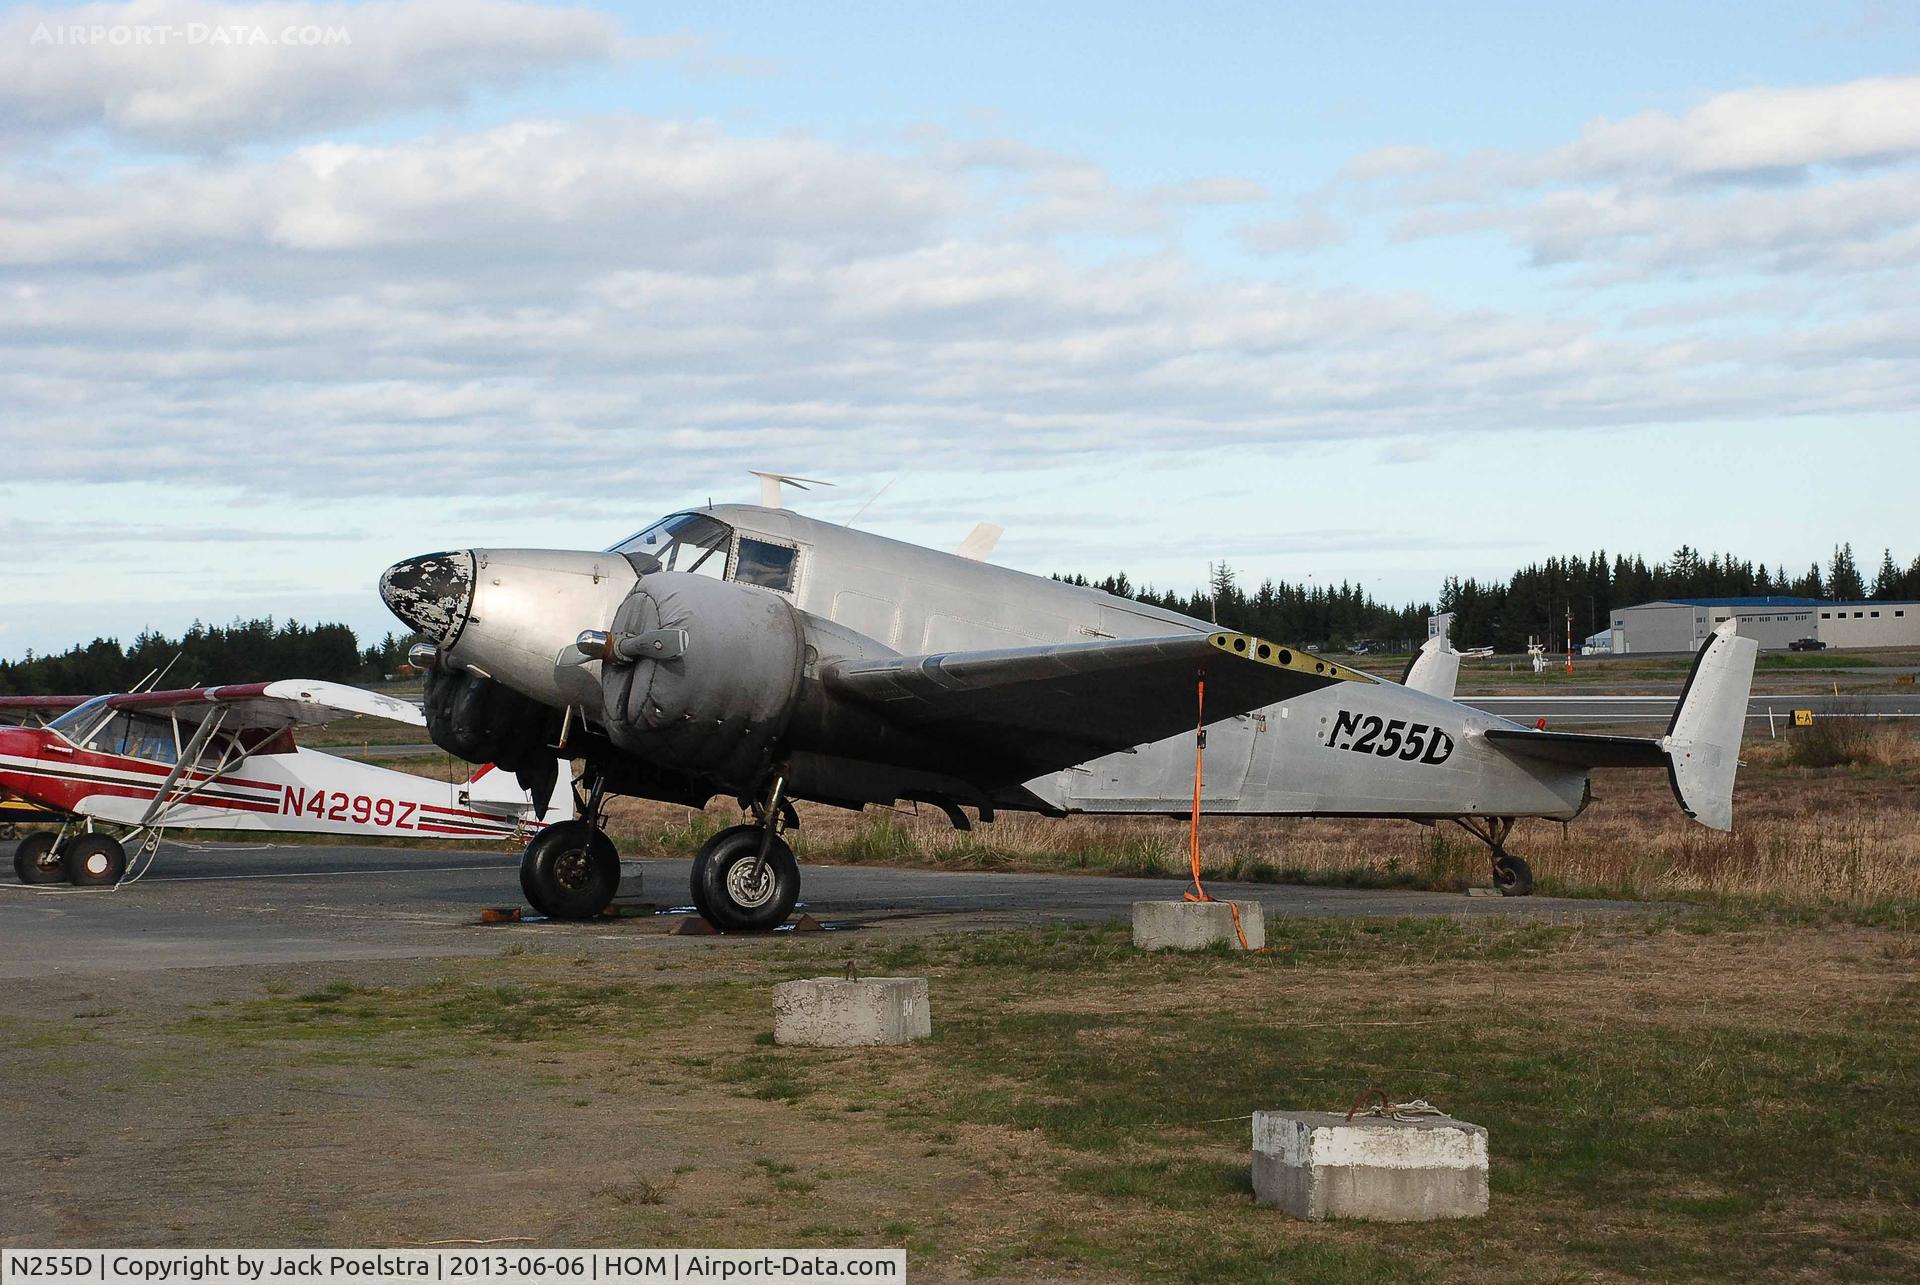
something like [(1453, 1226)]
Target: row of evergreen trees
[(1534, 603), (1319, 614), (247, 651)]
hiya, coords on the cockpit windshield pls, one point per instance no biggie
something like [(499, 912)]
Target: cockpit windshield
[(93, 726), (80, 720), (690, 542)]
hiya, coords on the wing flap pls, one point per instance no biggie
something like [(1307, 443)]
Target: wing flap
[(1055, 705)]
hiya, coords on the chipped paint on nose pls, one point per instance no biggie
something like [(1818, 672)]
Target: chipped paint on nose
[(433, 593)]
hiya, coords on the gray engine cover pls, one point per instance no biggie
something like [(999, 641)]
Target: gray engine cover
[(717, 710)]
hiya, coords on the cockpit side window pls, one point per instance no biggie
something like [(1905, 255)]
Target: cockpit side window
[(688, 542), (768, 565)]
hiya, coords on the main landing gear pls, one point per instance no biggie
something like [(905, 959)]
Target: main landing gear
[(571, 869), (85, 860), (745, 878), (1511, 874)]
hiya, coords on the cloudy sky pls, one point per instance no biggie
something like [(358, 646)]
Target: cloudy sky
[(1377, 292)]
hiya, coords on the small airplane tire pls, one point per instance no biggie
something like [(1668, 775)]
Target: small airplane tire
[(35, 860), (570, 871), (725, 892), (95, 860), (1512, 876)]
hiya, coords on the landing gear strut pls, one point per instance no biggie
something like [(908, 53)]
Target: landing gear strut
[(1511, 874), (745, 878), (571, 870)]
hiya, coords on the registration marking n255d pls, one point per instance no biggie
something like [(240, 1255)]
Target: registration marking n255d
[(1390, 738)]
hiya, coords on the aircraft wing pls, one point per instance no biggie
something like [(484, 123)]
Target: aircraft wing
[(1046, 707), (287, 702), (15, 708)]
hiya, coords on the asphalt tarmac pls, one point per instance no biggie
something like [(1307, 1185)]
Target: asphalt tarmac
[(220, 905)]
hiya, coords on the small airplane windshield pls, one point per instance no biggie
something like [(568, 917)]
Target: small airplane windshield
[(93, 727), (80, 720), (690, 542)]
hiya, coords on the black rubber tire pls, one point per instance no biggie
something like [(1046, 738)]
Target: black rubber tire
[(1512, 876), (570, 871), (95, 861), (35, 861), (720, 895)]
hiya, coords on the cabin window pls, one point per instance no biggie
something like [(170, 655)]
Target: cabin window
[(688, 542), (768, 565)]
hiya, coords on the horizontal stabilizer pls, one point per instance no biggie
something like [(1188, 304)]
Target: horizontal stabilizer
[(1580, 750)]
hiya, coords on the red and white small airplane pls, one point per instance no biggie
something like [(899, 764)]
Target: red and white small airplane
[(224, 758)]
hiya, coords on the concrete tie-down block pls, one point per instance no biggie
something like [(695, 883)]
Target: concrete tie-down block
[(1317, 1164), (1196, 925), (836, 1012)]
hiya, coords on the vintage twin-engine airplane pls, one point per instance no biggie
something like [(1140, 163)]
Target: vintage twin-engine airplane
[(224, 758), (757, 653)]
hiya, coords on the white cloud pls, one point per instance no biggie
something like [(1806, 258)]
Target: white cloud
[(198, 75), (1761, 130)]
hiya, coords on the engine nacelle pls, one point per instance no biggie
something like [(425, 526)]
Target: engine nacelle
[(718, 709)]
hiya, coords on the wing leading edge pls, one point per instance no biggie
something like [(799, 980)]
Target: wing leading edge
[(1052, 706)]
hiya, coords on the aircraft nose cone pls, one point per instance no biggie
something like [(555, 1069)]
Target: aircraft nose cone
[(433, 592)]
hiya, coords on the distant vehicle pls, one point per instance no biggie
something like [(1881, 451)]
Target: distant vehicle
[(223, 758), (1477, 653), (1806, 644)]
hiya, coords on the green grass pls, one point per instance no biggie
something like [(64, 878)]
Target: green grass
[(1660, 1140)]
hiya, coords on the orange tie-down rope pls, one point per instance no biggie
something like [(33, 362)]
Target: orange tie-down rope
[(1199, 891)]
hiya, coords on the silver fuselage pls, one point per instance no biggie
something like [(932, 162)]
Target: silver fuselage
[(1335, 751)]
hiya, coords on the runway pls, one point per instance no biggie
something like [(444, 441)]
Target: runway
[(217, 905), (1561, 709)]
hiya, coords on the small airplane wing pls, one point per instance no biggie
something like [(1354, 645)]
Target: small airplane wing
[(287, 702), (15, 708), (1047, 707)]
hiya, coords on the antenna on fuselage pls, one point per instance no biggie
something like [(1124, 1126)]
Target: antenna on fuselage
[(771, 485)]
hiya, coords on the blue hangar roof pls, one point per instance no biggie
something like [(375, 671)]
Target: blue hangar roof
[(1773, 601)]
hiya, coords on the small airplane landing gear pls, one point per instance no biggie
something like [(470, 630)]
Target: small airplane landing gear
[(1511, 874), (745, 878), (95, 860), (571, 870), (38, 859)]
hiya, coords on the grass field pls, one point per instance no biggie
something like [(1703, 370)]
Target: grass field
[(1715, 1097)]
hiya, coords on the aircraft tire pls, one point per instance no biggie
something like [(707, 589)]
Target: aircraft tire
[(35, 860), (723, 893), (95, 861), (1512, 876), (570, 871)]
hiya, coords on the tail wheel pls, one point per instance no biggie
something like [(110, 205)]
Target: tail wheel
[(735, 891), (1512, 876), (570, 871), (37, 861), (95, 860)]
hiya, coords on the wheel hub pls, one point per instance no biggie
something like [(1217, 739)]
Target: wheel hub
[(572, 870), (96, 864), (744, 888)]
